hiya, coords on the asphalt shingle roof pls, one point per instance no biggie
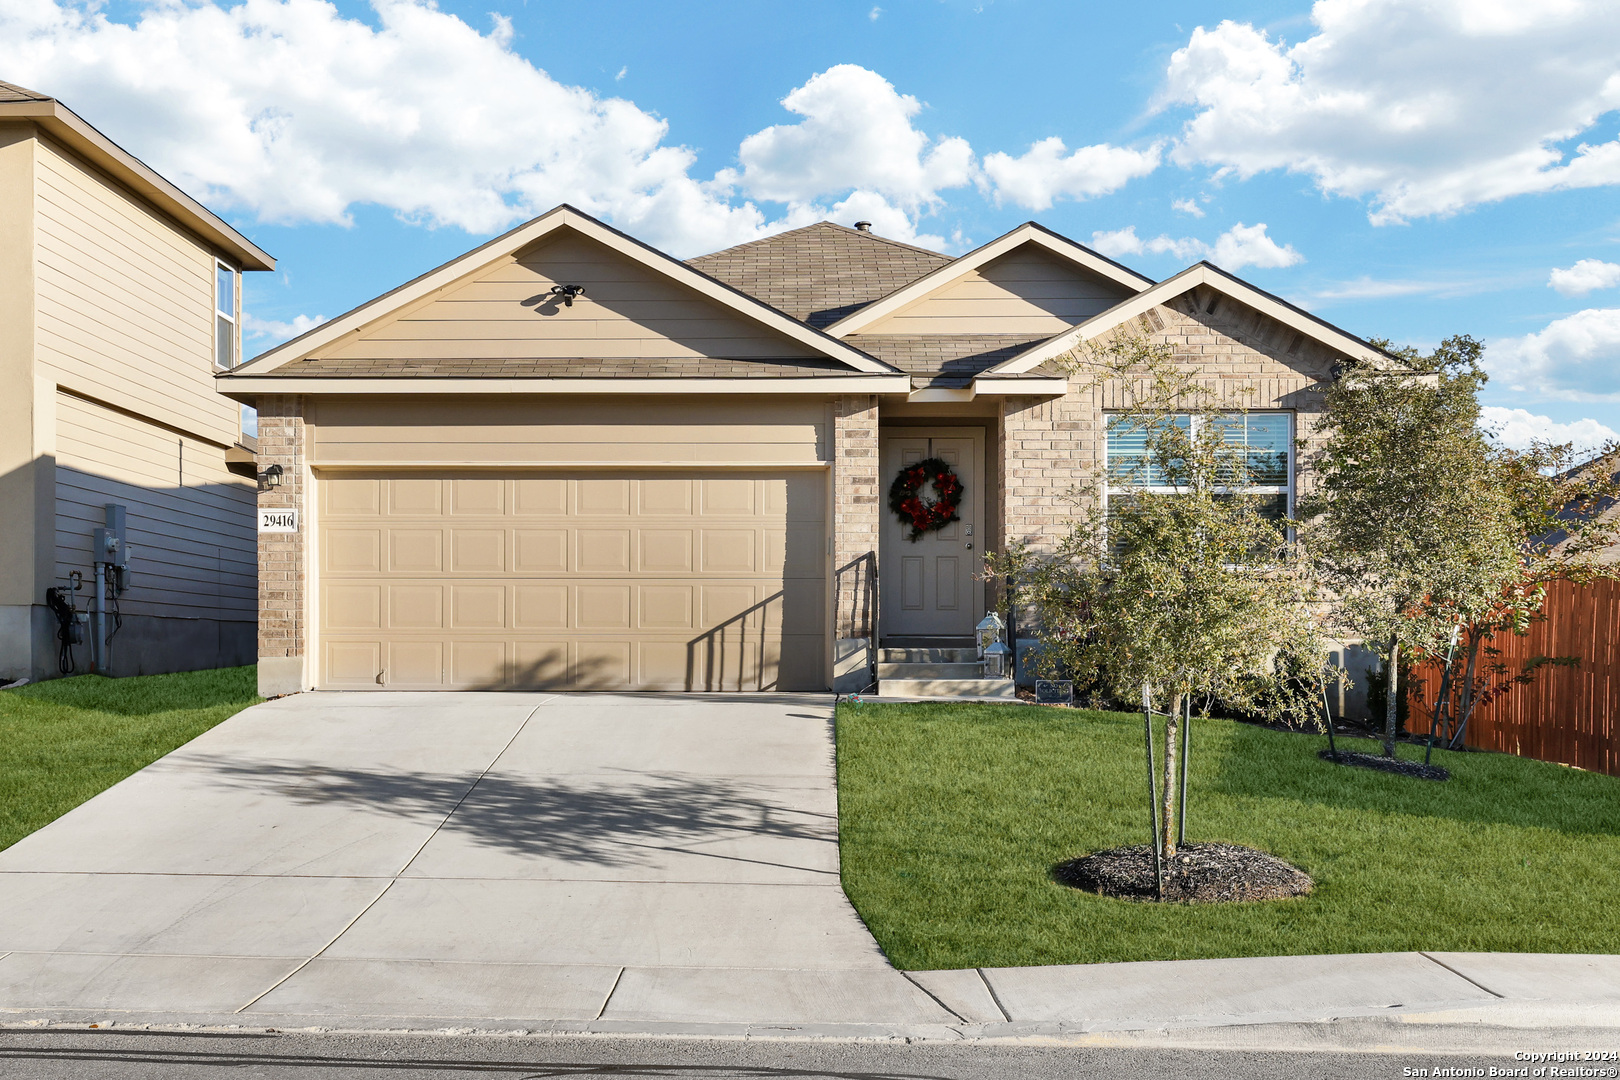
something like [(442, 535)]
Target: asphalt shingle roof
[(13, 92), (942, 360), (822, 272)]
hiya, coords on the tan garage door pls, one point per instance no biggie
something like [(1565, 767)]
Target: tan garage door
[(688, 581)]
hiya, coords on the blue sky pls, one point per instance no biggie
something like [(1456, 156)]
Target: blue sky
[(1404, 170)]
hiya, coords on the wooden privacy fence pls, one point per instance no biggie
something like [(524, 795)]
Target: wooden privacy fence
[(1566, 714)]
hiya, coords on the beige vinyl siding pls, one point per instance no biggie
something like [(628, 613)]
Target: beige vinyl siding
[(1027, 291), (125, 301), (587, 430), (598, 580), (628, 310), (191, 522)]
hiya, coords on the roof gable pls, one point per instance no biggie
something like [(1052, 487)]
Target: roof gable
[(1220, 283), (494, 305), (975, 271), (66, 126), (822, 272)]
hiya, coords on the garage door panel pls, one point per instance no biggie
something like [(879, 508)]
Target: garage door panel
[(351, 496), (353, 607), (547, 496), (666, 607), (415, 607), (415, 497), (601, 665), (477, 551), (478, 607), (478, 664), (665, 551), (658, 582), (540, 551), (415, 551), (602, 607), (602, 551), (540, 607), (415, 663)]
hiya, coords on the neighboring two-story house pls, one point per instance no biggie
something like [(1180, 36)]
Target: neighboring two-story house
[(120, 298)]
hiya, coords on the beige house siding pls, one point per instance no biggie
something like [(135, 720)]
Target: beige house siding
[(25, 481), (1051, 447), (190, 520), (1027, 291), (786, 430), (628, 310), (126, 302)]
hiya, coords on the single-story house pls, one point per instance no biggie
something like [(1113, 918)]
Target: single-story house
[(569, 460)]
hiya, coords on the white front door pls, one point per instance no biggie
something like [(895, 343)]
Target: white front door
[(928, 586)]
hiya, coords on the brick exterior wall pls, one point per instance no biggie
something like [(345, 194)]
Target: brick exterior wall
[(855, 508), (283, 636), (1051, 447)]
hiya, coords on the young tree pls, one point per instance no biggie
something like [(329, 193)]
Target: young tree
[(1418, 523), (1182, 590)]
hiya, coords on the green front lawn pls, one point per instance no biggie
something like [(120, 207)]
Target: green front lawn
[(952, 816), (65, 740)]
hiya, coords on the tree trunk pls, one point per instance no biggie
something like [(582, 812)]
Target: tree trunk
[(1172, 724), (1392, 702), (1465, 708)]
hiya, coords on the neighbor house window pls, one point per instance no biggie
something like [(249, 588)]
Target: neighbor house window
[(227, 338), (1267, 437)]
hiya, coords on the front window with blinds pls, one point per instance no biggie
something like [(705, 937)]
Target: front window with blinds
[(1267, 438), (226, 338)]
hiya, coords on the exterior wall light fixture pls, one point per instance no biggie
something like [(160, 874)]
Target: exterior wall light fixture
[(270, 479)]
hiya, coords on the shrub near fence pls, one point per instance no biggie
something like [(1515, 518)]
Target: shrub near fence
[(1569, 715)]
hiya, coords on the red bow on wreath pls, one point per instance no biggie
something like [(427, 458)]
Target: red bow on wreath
[(919, 513)]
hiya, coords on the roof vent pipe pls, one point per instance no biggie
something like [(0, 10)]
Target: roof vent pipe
[(863, 226)]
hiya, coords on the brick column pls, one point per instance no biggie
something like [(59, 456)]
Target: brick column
[(283, 637), (855, 534)]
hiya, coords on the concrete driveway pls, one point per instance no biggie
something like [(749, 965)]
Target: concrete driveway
[(645, 859)]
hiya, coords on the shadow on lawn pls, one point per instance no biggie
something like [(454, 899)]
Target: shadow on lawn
[(1253, 762), (615, 823)]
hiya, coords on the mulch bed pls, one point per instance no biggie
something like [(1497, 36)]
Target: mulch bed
[(1391, 765), (1195, 874)]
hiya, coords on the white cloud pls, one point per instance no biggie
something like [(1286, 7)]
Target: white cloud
[(291, 112), (1241, 245), (1576, 358), (1426, 108), (1046, 172), (1187, 206), (856, 133), (1585, 276), (266, 333), (1519, 428), (874, 13), (623, 71), (1248, 245)]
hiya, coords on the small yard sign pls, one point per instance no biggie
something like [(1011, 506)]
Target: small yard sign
[(1054, 692), (278, 521)]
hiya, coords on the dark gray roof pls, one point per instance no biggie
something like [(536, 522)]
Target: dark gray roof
[(822, 272), (943, 360), (13, 92), (679, 367)]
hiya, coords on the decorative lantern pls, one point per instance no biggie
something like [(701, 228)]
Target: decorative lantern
[(997, 658), (988, 632)]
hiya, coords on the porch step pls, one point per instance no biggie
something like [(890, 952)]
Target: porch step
[(911, 670), (999, 689), (928, 656)]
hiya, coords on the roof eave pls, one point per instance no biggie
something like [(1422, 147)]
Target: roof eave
[(71, 129), (247, 388)]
